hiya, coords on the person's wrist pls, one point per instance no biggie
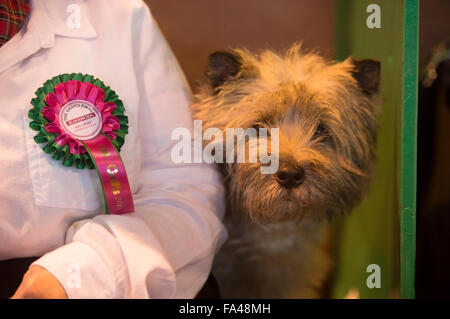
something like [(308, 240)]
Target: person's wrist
[(38, 283)]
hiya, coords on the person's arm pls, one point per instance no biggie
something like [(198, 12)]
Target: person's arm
[(165, 249)]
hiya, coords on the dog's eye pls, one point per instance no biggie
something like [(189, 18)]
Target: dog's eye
[(258, 126), (320, 131), (323, 135)]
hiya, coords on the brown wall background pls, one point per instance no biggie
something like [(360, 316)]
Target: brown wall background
[(434, 26), (196, 28)]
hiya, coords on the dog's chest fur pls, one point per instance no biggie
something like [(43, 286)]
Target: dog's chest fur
[(279, 260)]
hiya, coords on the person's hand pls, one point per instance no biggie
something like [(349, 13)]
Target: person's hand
[(38, 283)]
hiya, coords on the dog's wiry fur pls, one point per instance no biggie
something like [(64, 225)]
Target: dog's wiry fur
[(326, 113)]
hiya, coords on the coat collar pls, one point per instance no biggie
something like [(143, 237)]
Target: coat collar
[(48, 19), (59, 17)]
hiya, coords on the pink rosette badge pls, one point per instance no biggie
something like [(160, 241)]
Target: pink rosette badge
[(82, 122)]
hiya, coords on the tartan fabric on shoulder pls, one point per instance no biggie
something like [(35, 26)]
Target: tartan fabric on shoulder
[(12, 15)]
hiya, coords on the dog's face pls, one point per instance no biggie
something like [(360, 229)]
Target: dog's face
[(326, 114)]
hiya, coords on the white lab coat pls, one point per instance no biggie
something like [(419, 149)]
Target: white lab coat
[(164, 249)]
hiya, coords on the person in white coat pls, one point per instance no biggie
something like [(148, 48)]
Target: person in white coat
[(166, 247)]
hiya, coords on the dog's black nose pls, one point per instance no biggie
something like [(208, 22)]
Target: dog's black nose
[(290, 178)]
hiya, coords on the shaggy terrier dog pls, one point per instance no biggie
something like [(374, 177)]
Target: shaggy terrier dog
[(326, 113)]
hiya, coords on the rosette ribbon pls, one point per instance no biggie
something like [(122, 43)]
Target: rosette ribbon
[(82, 122)]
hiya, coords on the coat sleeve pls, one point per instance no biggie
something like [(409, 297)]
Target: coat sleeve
[(165, 249)]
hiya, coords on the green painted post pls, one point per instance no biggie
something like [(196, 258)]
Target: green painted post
[(409, 148), (382, 229)]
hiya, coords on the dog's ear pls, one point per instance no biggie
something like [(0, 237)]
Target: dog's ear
[(367, 74), (222, 66)]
